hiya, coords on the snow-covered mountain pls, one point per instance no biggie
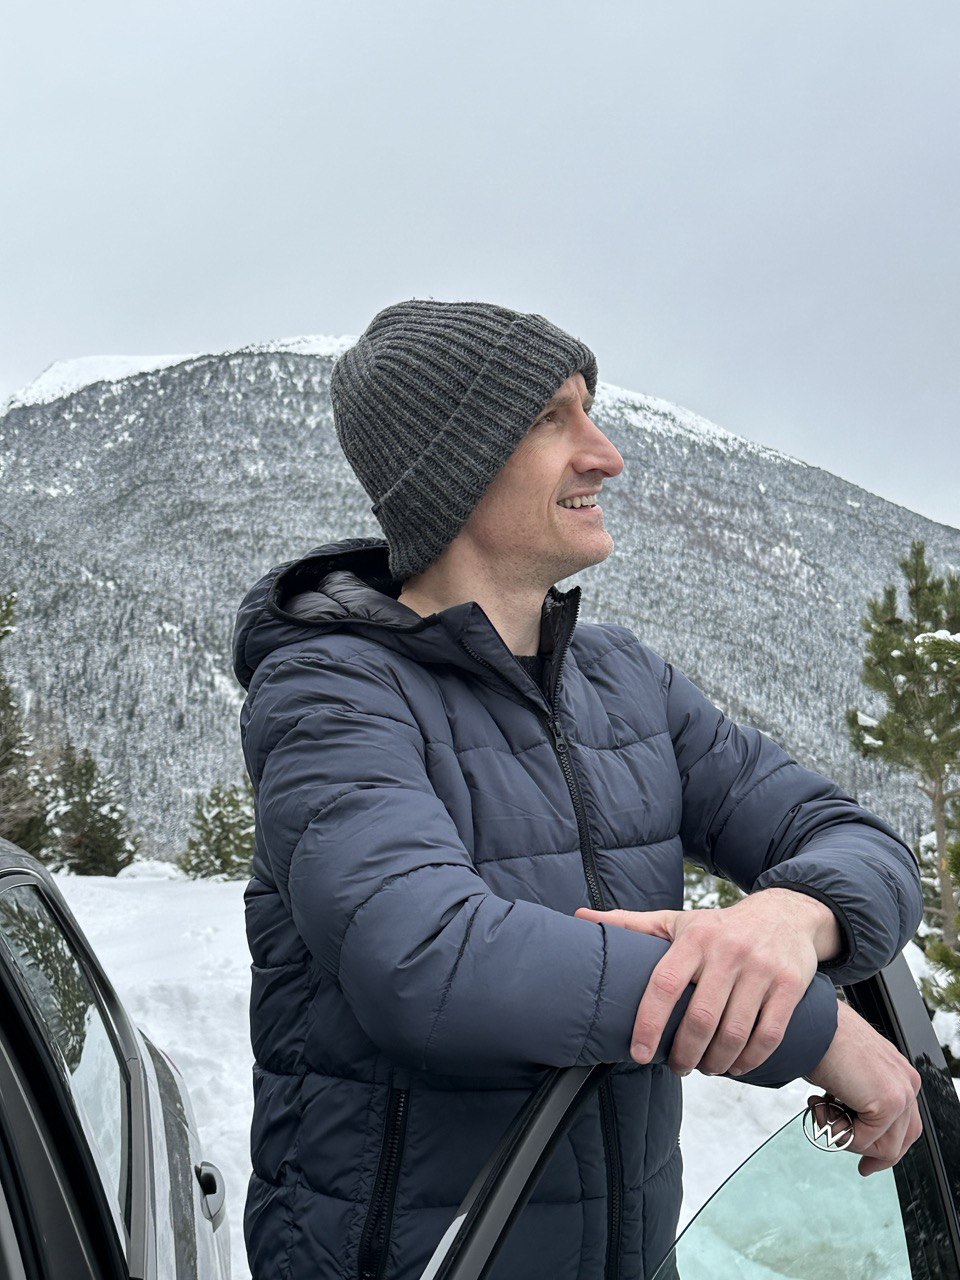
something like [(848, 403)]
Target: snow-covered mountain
[(139, 498)]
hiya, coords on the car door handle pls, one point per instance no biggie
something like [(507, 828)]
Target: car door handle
[(214, 1193)]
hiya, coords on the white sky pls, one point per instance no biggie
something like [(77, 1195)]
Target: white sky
[(748, 208)]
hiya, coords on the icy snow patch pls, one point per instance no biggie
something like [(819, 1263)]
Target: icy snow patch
[(152, 869), (317, 344), (63, 377), (653, 414)]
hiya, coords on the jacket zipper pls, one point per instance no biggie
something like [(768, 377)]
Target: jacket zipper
[(375, 1239), (608, 1112)]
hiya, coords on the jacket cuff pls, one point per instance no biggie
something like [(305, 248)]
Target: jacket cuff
[(870, 879)]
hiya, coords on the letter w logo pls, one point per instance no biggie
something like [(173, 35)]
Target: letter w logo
[(835, 1134)]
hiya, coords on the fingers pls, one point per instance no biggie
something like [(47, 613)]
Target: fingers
[(657, 923), (696, 1038), (667, 983), (882, 1145), (778, 1004), (736, 1036), (735, 1016), (893, 1145), (748, 981)]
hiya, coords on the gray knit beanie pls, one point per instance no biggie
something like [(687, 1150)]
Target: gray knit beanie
[(430, 404)]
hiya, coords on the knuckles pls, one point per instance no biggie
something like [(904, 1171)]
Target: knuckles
[(733, 1035), (701, 1017), (741, 951), (789, 987), (770, 1036), (667, 982)]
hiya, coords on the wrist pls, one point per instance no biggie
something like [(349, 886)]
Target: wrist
[(826, 1074), (815, 919)]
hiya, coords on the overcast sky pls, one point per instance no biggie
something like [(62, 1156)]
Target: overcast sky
[(745, 207)]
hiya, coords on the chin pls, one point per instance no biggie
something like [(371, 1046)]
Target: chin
[(587, 557), (599, 548)]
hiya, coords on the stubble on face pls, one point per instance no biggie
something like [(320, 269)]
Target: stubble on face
[(521, 536)]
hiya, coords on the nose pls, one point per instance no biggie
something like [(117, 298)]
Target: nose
[(595, 452)]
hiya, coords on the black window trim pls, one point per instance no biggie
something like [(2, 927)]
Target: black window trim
[(890, 1001), (136, 1167)]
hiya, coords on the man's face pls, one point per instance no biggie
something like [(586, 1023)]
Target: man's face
[(519, 525)]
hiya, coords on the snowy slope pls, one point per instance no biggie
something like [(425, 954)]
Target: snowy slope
[(176, 952)]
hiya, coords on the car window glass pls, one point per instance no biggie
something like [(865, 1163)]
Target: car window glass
[(73, 1028), (795, 1211)]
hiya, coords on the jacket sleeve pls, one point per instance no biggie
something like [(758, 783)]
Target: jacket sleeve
[(755, 816), (440, 972)]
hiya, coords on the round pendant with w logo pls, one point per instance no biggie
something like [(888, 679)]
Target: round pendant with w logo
[(828, 1124)]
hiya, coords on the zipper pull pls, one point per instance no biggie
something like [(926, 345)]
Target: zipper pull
[(557, 730)]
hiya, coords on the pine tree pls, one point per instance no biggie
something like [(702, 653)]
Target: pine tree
[(943, 991), (222, 841), (88, 827), (913, 661), (22, 802), (701, 889)]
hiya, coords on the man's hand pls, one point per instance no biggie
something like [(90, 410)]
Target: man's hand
[(864, 1070), (751, 963)]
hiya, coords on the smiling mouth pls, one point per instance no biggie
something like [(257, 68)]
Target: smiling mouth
[(582, 511)]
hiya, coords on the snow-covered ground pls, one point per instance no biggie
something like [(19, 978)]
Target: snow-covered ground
[(176, 952)]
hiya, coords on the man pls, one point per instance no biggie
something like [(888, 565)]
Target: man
[(471, 819)]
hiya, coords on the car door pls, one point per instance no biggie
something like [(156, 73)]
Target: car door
[(790, 1210), (95, 1137)]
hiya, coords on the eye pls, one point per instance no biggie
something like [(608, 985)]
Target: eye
[(547, 417)]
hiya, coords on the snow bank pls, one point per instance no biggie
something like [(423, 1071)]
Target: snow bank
[(176, 952)]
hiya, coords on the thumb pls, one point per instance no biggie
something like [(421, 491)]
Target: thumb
[(657, 923)]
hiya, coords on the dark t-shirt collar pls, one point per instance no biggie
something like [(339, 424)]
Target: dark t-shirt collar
[(533, 665)]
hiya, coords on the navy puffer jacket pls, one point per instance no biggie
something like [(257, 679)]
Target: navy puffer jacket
[(427, 822)]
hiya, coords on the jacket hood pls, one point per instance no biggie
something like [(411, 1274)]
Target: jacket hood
[(347, 585)]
